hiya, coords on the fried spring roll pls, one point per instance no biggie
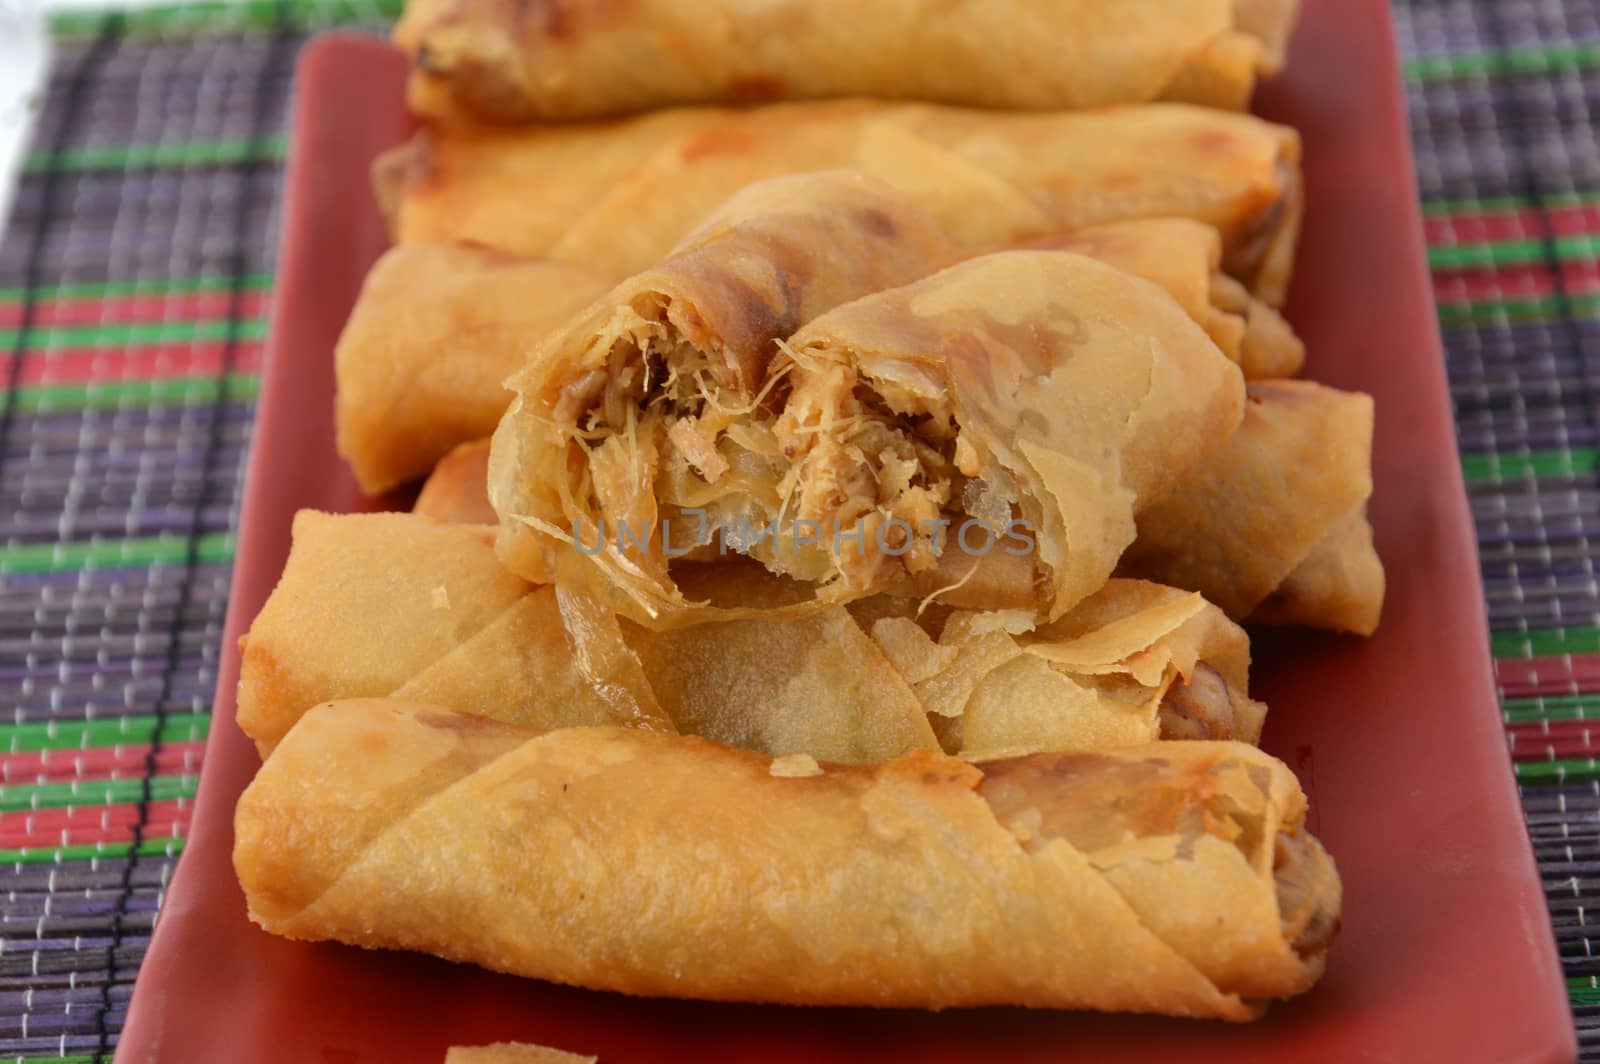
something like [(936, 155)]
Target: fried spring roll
[(1133, 663), (652, 377), (398, 605), (427, 408), (457, 491), (1037, 392), (494, 61), (1184, 257), (1273, 525), (422, 362), (1176, 878), (616, 196)]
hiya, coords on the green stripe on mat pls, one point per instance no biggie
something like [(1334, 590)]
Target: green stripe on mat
[(1584, 990), (1493, 310), (1511, 252), (1488, 204), (131, 334), (246, 14), (1576, 770), (169, 286), (1548, 643), (168, 391), (1551, 707), (1577, 461), (19, 797), (113, 554), (159, 156), (148, 848), (31, 736), (1525, 60)]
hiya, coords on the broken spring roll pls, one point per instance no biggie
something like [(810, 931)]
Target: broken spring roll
[(435, 332), (1184, 257), (378, 605), (616, 196), (653, 377), (1176, 878), (1036, 395), (434, 398), (1133, 663), (1273, 526), (492, 61)]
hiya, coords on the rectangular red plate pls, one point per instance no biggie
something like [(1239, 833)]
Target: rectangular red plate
[(1446, 951)]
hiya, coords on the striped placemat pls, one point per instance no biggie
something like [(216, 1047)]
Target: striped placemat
[(133, 280)]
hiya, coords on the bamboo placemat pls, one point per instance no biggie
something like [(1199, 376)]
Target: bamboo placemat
[(133, 284)]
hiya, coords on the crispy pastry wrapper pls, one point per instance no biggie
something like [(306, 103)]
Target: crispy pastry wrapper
[(1273, 526), (1175, 878), (617, 196), (457, 491), (1180, 255), (405, 607), (399, 605), (1133, 663), (434, 334), (1184, 257), (1035, 391), (491, 60), (664, 376)]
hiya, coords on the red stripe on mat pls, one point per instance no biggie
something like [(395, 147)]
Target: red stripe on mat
[(1553, 739), (1452, 229), (1531, 281), (1568, 675), (83, 826), (111, 366), (123, 310), (110, 762)]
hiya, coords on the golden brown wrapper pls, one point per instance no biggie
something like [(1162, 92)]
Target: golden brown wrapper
[(435, 332), (1273, 525), (457, 490), (1133, 663), (1036, 391), (1180, 255), (399, 605), (373, 605), (1184, 257), (377, 605), (1174, 878), (617, 195), (494, 60)]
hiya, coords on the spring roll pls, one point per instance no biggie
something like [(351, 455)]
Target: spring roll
[(1176, 878), (653, 376), (379, 605), (485, 60), (1133, 663), (1273, 526), (1042, 393), (1179, 255), (434, 334), (616, 196), (1008, 414), (1184, 257), (457, 491)]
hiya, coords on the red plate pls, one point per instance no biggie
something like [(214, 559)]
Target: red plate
[(1446, 951)]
